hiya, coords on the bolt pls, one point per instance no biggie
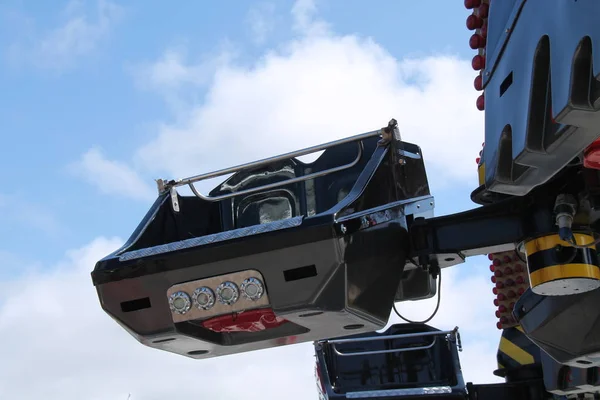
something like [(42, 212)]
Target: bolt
[(343, 229)]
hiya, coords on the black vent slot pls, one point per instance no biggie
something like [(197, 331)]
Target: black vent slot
[(135, 305), (300, 273)]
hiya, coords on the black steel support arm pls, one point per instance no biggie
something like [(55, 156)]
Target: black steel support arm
[(491, 228)]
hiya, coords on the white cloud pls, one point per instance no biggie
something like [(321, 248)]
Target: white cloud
[(111, 177), (58, 333), (78, 36), (179, 78), (261, 19), (317, 88), (306, 21)]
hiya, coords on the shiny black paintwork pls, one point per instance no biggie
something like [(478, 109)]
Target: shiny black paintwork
[(541, 90)]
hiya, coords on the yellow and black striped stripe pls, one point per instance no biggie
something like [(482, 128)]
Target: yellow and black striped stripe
[(481, 173), (515, 350), (549, 258)]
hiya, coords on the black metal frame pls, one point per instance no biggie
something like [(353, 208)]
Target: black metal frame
[(327, 350)]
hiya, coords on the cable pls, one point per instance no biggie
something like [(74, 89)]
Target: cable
[(437, 307)]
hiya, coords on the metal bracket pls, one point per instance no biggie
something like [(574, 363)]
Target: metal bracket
[(449, 334), (391, 135), (171, 185)]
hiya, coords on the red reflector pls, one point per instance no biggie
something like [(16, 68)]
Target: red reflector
[(591, 156), (247, 321)]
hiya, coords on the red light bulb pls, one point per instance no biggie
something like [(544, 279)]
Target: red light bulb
[(500, 285), (498, 273), (470, 4), (474, 22), (499, 325), (493, 279), (519, 268), (501, 296), (511, 294), (496, 302), (492, 268), (490, 256), (478, 82), (480, 103), (484, 10), (477, 41), (508, 270), (519, 280), (497, 261), (478, 62), (484, 28)]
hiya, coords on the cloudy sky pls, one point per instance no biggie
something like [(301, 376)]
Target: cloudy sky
[(99, 98)]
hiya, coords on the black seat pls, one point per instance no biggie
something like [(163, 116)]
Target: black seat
[(319, 245)]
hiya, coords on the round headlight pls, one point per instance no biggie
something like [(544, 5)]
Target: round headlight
[(227, 293), (252, 289), (180, 302), (204, 298)]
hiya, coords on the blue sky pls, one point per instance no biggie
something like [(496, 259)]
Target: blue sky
[(100, 98)]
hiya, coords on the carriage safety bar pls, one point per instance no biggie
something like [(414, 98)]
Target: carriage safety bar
[(171, 185), (453, 334)]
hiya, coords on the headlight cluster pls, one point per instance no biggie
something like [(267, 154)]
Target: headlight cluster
[(226, 293)]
